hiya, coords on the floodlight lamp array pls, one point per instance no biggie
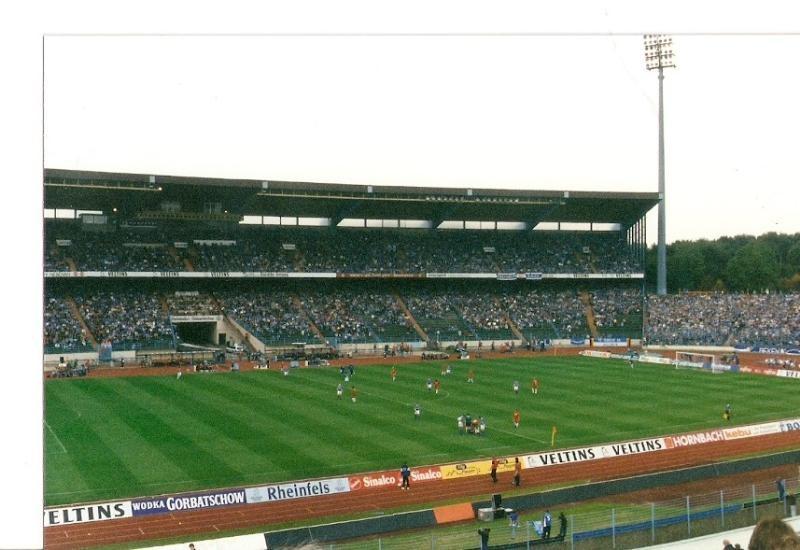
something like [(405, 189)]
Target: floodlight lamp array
[(658, 52)]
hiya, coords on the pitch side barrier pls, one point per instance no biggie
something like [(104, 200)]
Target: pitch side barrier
[(351, 529), (547, 499), (550, 499), (315, 488)]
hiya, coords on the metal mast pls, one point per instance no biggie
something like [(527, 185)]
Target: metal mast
[(658, 55)]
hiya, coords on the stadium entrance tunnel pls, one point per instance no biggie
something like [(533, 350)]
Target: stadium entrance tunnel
[(198, 333)]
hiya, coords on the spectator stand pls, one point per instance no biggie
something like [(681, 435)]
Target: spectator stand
[(345, 250), (63, 333), (618, 312), (721, 319), (131, 320), (437, 315), (270, 316), (546, 314), (349, 317)]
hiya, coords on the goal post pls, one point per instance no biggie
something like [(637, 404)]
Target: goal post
[(685, 359)]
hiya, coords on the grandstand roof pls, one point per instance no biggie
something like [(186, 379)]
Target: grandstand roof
[(133, 194)]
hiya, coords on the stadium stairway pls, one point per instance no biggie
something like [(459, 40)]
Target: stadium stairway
[(298, 305), (56, 254), (175, 256), (514, 328), (71, 264), (188, 264), (509, 321), (249, 340), (410, 317), (593, 263), (162, 300), (586, 300), (76, 312)]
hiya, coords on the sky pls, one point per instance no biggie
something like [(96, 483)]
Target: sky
[(522, 111), (507, 93)]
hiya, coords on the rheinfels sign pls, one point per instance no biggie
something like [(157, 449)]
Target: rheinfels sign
[(302, 489)]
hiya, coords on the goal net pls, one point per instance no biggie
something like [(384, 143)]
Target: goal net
[(690, 359)]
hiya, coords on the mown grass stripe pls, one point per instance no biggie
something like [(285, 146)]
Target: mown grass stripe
[(93, 464), (88, 409), (242, 416), (194, 458), (178, 399)]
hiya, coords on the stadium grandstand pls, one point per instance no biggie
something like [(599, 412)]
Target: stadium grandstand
[(145, 262), (153, 262)]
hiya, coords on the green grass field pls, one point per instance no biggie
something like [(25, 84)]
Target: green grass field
[(123, 437)]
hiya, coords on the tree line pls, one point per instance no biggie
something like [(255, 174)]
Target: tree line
[(743, 263)]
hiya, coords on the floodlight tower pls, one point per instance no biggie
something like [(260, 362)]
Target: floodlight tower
[(658, 55)]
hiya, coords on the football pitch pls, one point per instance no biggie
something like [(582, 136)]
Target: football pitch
[(109, 438)]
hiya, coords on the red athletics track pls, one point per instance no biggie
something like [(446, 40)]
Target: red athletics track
[(753, 360), (261, 516)]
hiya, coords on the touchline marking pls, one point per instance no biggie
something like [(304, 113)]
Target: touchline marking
[(57, 439), (350, 463), (515, 434)]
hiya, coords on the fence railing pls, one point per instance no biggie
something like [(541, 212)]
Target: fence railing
[(622, 526)]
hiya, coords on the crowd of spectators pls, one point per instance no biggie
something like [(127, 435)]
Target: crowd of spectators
[(618, 312), (547, 314), (53, 259), (701, 319), (484, 314), (270, 316), (352, 317), (243, 255), (191, 303), (62, 331), (343, 250), (718, 319), (123, 250), (438, 315), (460, 315), (127, 319), (766, 320), (100, 255)]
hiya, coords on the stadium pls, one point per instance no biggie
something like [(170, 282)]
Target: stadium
[(196, 331)]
